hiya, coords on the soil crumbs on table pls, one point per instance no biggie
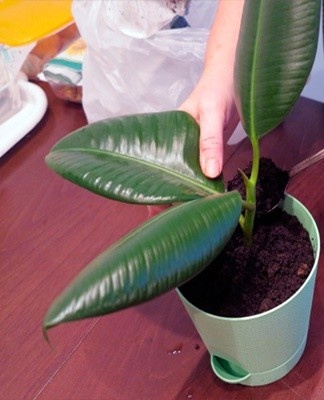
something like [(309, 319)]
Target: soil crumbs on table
[(250, 279)]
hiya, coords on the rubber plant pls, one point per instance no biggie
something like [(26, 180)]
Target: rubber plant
[(153, 159)]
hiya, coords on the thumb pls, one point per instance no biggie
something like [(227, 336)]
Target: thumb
[(211, 146)]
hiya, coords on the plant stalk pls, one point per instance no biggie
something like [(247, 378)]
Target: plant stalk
[(247, 223)]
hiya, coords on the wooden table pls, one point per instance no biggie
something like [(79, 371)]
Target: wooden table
[(50, 229)]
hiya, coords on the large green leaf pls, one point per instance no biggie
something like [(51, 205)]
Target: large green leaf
[(144, 158), (163, 253), (275, 53)]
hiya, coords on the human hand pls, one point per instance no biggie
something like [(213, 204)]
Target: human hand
[(212, 105), (212, 101)]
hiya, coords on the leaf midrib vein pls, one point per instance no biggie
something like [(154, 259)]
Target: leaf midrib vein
[(142, 161)]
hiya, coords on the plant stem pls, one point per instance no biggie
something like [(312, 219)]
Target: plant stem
[(247, 223)]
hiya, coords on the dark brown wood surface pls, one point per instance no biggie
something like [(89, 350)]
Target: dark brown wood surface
[(50, 229)]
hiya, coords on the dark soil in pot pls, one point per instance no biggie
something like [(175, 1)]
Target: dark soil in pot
[(249, 279), (270, 188)]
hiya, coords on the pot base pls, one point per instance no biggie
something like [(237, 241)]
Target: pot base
[(232, 373)]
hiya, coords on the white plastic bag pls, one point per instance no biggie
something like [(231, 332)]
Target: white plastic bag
[(142, 18), (124, 74)]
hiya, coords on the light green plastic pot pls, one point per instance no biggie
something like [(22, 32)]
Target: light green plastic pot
[(261, 349)]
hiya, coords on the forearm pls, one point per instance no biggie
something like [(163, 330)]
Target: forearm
[(221, 45)]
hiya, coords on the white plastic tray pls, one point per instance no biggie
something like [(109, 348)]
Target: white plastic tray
[(34, 105)]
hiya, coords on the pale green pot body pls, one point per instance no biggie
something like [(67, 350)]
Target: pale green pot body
[(261, 349)]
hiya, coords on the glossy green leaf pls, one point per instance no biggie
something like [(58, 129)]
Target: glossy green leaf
[(275, 53), (163, 253), (144, 158)]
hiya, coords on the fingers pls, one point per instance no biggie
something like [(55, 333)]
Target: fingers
[(211, 145), (210, 115)]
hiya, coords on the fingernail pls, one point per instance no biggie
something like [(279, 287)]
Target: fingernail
[(212, 168)]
